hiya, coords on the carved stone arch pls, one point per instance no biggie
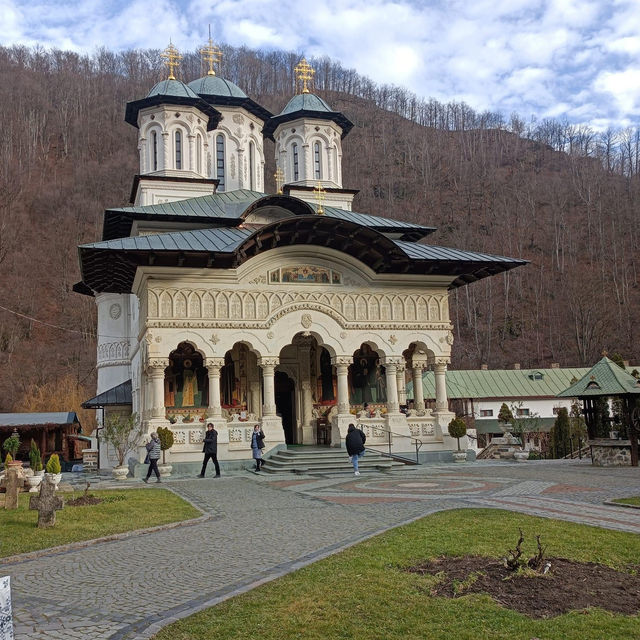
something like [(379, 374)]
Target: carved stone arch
[(180, 305), (374, 308), (434, 310), (409, 308), (444, 307), (152, 304), (262, 306), (276, 302), (397, 309), (249, 306), (385, 308), (288, 298), (195, 305), (228, 137), (349, 308), (166, 305), (361, 307), (422, 310), (208, 305), (222, 305), (235, 307), (195, 340), (372, 340)]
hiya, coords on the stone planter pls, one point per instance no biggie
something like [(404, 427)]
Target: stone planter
[(165, 470), (34, 482), (55, 478), (120, 473), (521, 456), (459, 456)]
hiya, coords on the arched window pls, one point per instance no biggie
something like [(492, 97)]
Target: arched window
[(252, 165), (199, 154), (178, 139), (220, 161), (294, 151), (154, 150), (317, 161)]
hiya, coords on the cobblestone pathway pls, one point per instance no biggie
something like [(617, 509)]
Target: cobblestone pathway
[(262, 527)]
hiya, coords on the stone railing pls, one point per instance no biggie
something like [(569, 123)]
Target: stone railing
[(422, 427), (239, 431)]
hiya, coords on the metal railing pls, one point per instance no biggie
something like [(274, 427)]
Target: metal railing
[(418, 444)]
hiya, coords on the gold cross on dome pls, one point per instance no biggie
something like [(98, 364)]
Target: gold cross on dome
[(319, 191), (279, 176), (304, 72), (172, 59), (211, 54)]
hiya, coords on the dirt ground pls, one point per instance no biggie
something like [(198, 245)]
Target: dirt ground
[(567, 586), (84, 501)]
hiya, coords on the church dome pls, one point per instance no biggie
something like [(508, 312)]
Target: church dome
[(215, 86), (173, 89), (306, 102)]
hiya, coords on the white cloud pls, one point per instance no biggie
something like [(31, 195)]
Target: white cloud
[(568, 58)]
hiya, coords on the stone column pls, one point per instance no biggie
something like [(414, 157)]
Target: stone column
[(240, 172), (304, 353), (440, 370), (192, 152), (400, 383), (165, 150), (342, 372), (306, 164), (213, 365), (254, 398), (155, 371), (418, 393), (268, 366), (142, 147), (391, 365)]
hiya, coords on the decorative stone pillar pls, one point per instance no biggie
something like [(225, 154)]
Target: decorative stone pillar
[(306, 163), (192, 152), (304, 358), (340, 422), (400, 383), (213, 365), (165, 150), (328, 155), (268, 366), (142, 148), (228, 187), (155, 371), (418, 393), (440, 371), (254, 398), (391, 363)]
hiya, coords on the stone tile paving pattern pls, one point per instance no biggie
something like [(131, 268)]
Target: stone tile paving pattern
[(265, 526)]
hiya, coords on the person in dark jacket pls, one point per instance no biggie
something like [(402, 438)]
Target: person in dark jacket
[(154, 451), (355, 445), (210, 450), (257, 445)]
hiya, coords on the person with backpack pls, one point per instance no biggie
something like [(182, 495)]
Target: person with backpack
[(354, 442)]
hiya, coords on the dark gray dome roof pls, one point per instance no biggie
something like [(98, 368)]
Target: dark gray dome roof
[(217, 86)]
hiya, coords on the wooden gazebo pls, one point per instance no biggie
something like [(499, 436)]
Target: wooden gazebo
[(607, 380)]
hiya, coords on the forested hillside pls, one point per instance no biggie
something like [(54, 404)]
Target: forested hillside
[(561, 196)]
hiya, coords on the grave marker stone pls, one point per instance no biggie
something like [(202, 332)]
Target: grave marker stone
[(14, 481), (47, 503)]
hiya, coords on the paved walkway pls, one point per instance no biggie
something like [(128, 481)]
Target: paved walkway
[(265, 526)]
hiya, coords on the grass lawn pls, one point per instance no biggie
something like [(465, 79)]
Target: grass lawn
[(124, 510), (362, 593), (635, 501)]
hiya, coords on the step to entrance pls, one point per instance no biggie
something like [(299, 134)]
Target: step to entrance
[(314, 460)]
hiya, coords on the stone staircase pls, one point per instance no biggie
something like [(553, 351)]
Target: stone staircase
[(322, 460)]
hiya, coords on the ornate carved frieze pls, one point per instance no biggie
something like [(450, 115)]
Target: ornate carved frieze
[(118, 350), (396, 311)]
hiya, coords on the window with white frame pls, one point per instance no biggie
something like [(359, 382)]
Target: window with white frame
[(294, 153), (486, 413), (521, 411)]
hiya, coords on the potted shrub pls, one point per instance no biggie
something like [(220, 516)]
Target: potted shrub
[(166, 442), (35, 461), (54, 470), (11, 446), (120, 432), (457, 430)]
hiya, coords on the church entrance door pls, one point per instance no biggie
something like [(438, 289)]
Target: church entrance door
[(285, 405)]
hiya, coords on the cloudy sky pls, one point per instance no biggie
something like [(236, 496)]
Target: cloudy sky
[(573, 59)]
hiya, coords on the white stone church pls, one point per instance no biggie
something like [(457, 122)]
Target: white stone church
[(218, 302)]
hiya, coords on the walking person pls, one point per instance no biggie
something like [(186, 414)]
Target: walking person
[(257, 445), (210, 450), (153, 454), (355, 445)]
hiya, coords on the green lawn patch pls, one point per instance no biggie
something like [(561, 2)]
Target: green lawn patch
[(634, 501), (365, 592), (123, 510)]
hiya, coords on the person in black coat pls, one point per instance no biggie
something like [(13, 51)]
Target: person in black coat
[(355, 445), (210, 450)]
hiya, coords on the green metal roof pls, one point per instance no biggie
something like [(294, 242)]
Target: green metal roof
[(491, 425), (306, 102), (172, 88), (501, 383), (216, 86), (36, 419), (118, 395), (605, 378)]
